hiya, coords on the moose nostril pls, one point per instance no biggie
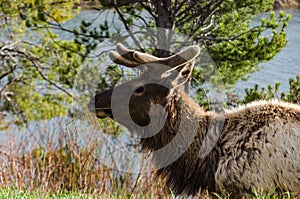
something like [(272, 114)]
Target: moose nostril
[(108, 111)]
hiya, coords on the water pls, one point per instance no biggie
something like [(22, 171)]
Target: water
[(285, 65)]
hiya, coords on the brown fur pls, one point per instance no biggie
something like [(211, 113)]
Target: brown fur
[(256, 146)]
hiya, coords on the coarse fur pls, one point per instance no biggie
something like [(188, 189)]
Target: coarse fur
[(256, 146)]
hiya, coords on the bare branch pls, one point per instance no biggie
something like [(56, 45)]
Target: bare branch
[(209, 26), (36, 65), (149, 10), (142, 18), (57, 25), (178, 8), (227, 39), (200, 25), (8, 72), (4, 52), (128, 28)]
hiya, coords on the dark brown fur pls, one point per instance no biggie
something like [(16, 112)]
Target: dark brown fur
[(256, 146)]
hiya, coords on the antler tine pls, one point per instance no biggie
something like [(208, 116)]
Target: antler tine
[(131, 55), (187, 55), (131, 58), (120, 59), (125, 52), (190, 53), (144, 57), (126, 57)]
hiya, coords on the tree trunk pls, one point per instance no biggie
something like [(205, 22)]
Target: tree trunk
[(165, 27)]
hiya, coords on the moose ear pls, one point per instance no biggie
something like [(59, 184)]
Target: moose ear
[(179, 75)]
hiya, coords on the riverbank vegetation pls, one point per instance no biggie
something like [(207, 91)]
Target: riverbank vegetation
[(51, 145)]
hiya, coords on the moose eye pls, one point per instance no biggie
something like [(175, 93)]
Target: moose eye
[(139, 90)]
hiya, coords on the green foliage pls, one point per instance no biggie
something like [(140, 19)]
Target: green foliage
[(254, 94), (259, 194), (37, 69), (38, 106), (40, 11), (293, 95), (90, 36), (238, 52), (35, 83), (119, 194), (23, 194), (271, 194)]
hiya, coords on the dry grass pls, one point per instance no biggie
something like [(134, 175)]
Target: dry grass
[(59, 156)]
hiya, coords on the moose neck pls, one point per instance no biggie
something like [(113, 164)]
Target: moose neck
[(179, 143)]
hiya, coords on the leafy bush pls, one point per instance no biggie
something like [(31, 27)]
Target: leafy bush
[(293, 95)]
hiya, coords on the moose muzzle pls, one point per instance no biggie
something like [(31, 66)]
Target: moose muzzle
[(101, 104)]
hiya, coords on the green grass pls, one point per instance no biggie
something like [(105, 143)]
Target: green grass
[(262, 195), (19, 194)]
